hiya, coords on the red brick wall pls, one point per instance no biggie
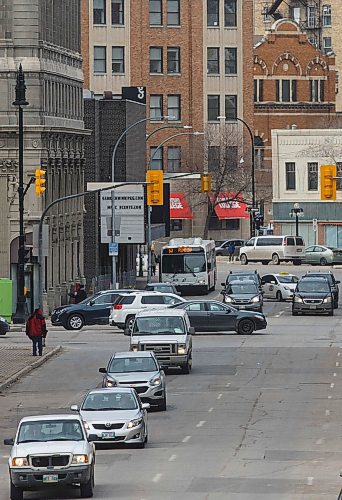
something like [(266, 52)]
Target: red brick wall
[(85, 41)]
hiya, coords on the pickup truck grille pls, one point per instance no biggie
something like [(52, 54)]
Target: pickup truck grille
[(105, 427), (241, 301), (49, 460), (313, 301), (160, 348)]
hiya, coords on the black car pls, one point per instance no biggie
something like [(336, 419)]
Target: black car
[(94, 310), (243, 295), (313, 295), (328, 275), (212, 315), (243, 276), (4, 326)]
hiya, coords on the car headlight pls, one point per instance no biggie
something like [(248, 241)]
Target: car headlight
[(19, 462), (86, 425), (3, 319), (326, 300), (59, 311), (298, 299), (201, 282), (134, 348), (111, 383), (228, 299), (255, 299), (80, 459), (134, 423), (181, 349), (155, 380), (287, 288)]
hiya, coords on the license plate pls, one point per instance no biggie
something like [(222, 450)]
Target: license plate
[(108, 435), (312, 307), (51, 478), (299, 250)]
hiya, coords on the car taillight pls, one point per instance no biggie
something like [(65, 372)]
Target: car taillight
[(118, 306), (284, 242)]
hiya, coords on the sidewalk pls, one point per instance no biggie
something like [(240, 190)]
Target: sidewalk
[(16, 361)]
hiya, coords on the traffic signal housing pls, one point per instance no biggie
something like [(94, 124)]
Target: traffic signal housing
[(205, 183), (328, 183), (155, 193), (40, 181)]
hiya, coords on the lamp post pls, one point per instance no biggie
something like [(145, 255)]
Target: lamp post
[(297, 212), (20, 101)]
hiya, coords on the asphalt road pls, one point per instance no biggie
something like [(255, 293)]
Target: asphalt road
[(258, 418)]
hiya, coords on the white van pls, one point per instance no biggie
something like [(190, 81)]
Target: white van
[(273, 249)]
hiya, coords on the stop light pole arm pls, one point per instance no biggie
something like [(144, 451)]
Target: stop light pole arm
[(31, 181)]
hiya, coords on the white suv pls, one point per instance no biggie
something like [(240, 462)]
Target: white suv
[(129, 304)]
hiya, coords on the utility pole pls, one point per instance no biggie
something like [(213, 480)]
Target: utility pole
[(20, 101)]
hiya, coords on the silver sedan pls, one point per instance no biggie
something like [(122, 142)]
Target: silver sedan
[(115, 415), (318, 254)]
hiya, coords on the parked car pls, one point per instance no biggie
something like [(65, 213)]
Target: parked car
[(273, 249), (323, 256), (313, 295), (4, 326), (128, 305), (328, 275), (115, 415), (162, 287), (139, 370), (50, 451), (94, 310), (243, 276), (222, 246), (243, 295), (279, 286), (214, 316)]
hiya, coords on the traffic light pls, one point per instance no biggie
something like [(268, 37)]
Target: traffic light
[(40, 181), (205, 183), (155, 196), (328, 184)]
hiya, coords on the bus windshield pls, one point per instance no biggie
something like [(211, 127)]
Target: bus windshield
[(183, 264)]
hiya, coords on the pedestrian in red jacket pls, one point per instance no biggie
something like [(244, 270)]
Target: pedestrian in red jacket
[(36, 331)]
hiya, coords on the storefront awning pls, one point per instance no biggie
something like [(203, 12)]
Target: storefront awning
[(179, 208), (229, 208)]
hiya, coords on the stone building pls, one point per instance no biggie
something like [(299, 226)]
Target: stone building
[(44, 36)]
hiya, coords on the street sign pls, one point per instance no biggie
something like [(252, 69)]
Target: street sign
[(113, 249), (314, 225)]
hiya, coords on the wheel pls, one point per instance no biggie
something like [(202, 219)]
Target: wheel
[(323, 261), (186, 369), (129, 323), (297, 262), (87, 488), (246, 327), (75, 322), (243, 259), (340, 496), (162, 405), (294, 313), (331, 313), (275, 259), (219, 254), (279, 296), (264, 262), (16, 493)]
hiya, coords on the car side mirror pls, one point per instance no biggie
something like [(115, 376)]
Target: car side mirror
[(102, 370), (92, 437), (192, 330), (223, 284), (337, 282), (74, 408), (127, 332), (91, 303), (9, 442), (273, 283), (145, 406)]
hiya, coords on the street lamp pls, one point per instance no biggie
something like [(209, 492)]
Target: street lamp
[(20, 101), (170, 138), (296, 212), (187, 127)]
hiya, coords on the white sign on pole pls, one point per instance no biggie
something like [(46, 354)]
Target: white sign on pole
[(129, 215), (314, 225)]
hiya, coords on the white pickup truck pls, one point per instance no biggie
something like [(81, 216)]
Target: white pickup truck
[(51, 450)]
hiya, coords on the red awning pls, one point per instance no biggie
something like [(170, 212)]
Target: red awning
[(179, 208), (229, 208)]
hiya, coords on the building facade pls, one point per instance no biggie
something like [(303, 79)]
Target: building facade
[(53, 136)]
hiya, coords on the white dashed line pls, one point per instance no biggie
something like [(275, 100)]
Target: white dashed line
[(332, 385), (327, 412), (329, 397), (319, 441), (338, 354), (337, 363), (310, 481), (172, 458), (219, 396), (281, 312), (211, 409), (335, 374), (228, 384), (157, 478), (277, 315), (186, 439), (201, 423)]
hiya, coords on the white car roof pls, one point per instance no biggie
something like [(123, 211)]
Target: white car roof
[(36, 418), (110, 389), (133, 354), (281, 274), (161, 312)]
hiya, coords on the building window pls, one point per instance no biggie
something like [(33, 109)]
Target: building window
[(312, 176), (213, 60), (156, 158), (286, 90), (176, 225), (99, 59), (339, 174), (317, 90), (173, 159), (118, 59), (230, 18), (174, 107), (118, 12), (173, 13), (224, 224), (156, 107), (327, 45), (311, 16), (290, 169), (173, 60), (230, 61), (295, 14), (213, 158), (326, 15), (99, 12), (230, 107), (156, 59), (258, 90), (213, 16), (156, 13), (259, 158), (213, 107)]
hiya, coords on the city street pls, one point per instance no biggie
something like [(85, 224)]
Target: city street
[(259, 417)]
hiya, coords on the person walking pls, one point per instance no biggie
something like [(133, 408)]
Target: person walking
[(36, 331), (78, 294), (231, 251)]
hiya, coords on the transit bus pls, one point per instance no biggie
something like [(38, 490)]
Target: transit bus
[(190, 264)]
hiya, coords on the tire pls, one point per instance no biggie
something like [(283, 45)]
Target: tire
[(75, 322), (162, 405), (279, 296), (264, 262), (186, 369), (297, 262), (275, 259), (129, 323), (323, 262), (243, 259), (294, 313), (16, 493), (331, 313), (87, 489), (246, 327)]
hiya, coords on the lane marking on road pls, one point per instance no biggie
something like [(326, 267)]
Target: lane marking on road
[(337, 363), (335, 374), (186, 439), (211, 409), (277, 315), (329, 397), (327, 412), (338, 354), (319, 441), (310, 481), (228, 384), (219, 396), (157, 478), (332, 385), (172, 458), (201, 423), (281, 312)]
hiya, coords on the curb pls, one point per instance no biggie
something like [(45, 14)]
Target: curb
[(29, 368)]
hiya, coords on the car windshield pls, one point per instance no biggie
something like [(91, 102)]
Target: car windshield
[(160, 288), (155, 325), (107, 401), (183, 264), (240, 277), (287, 279), (50, 430), (325, 276), (313, 286), (128, 365), (237, 288)]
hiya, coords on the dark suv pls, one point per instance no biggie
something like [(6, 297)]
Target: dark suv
[(313, 295), (243, 295), (332, 282), (243, 276)]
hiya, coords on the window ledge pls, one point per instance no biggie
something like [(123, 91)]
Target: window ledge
[(118, 74), (118, 26), (214, 27), (99, 74), (174, 74), (213, 74), (157, 74), (230, 27), (156, 25), (230, 74), (102, 25)]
